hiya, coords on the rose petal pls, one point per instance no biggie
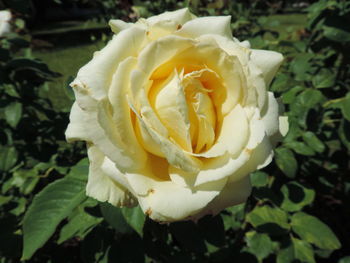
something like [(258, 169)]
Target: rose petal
[(233, 193), (169, 102), (96, 76), (180, 17), (121, 123), (118, 25), (166, 201), (85, 126), (220, 25), (233, 135), (268, 62), (101, 187), (270, 115)]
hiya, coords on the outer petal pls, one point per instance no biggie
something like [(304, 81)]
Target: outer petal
[(268, 62), (254, 93), (259, 158), (118, 25), (234, 193), (270, 115), (102, 187), (283, 125), (76, 128), (96, 76), (85, 125), (166, 201), (180, 17), (220, 25)]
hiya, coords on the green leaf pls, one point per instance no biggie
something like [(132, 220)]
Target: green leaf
[(301, 148), (289, 96), (336, 34), (344, 260), (49, 207), (80, 171), (113, 215), (303, 251), (286, 161), (233, 217), (269, 219), (314, 231), (296, 196), (308, 99), (79, 223), (259, 244), (8, 157), (259, 179), (301, 66), (280, 83), (295, 250), (13, 113), (135, 218), (35, 65), (345, 106), (315, 143), (324, 79)]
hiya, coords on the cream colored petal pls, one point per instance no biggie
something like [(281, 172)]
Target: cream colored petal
[(268, 62), (118, 25), (96, 76), (101, 187), (220, 25), (233, 136), (180, 17), (169, 103), (227, 165), (254, 91), (270, 115), (113, 133), (283, 125), (166, 201), (173, 153), (109, 169), (260, 157), (87, 118), (160, 51), (120, 122), (76, 129), (234, 193), (212, 170), (146, 140)]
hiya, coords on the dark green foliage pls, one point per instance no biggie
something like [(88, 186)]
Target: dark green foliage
[(298, 210)]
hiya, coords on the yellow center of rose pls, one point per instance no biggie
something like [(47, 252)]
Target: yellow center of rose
[(186, 100), (183, 104)]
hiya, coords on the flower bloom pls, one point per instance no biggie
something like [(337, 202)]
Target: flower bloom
[(176, 114), (5, 17)]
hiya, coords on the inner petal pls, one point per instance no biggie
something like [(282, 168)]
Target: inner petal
[(169, 102), (202, 114)]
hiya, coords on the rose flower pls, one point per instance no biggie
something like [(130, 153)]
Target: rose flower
[(176, 114)]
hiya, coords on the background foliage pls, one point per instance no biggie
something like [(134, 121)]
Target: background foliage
[(298, 211)]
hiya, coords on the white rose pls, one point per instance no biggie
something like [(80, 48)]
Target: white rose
[(176, 114), (5, 18)]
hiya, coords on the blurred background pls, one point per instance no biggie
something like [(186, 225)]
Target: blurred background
[(298, 211)]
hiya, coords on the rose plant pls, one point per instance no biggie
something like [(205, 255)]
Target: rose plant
[(5, 18), (176, 114)]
